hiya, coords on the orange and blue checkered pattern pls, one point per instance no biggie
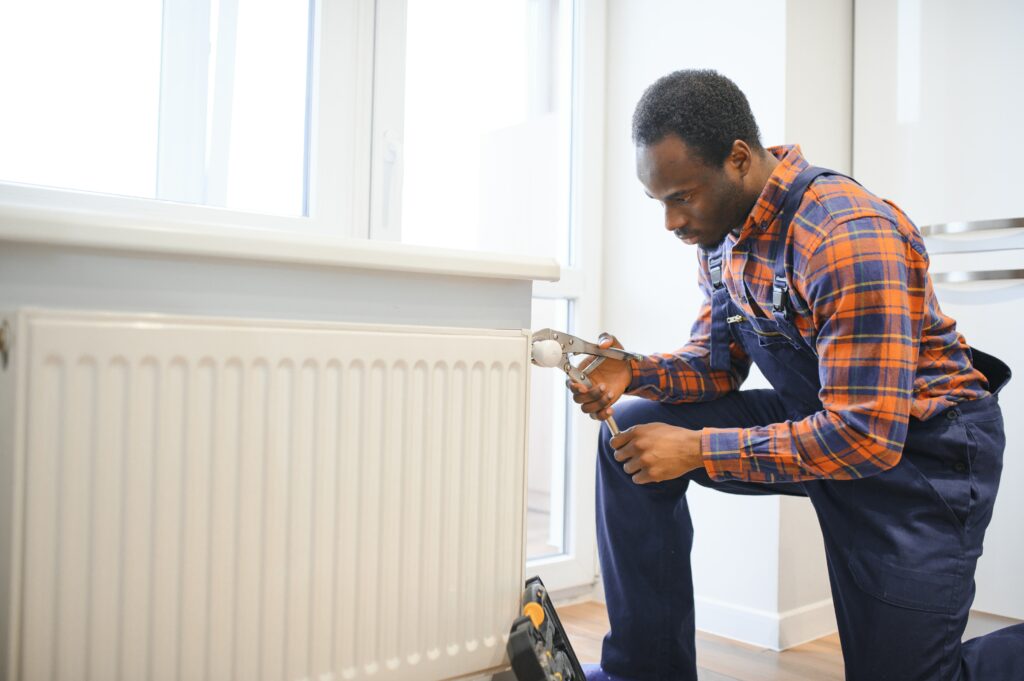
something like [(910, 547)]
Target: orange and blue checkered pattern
[(863, 300)]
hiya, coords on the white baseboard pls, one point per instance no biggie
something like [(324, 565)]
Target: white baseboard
[(807, 623), (776, 631)]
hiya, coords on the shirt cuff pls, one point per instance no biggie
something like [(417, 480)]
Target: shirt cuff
[(720, 448), (646, 373)]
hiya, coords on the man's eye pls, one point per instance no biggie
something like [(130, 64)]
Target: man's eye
[(683, 199)]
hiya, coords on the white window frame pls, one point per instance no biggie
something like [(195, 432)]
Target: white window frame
[(181, 138)]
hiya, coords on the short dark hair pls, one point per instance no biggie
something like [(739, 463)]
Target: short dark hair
[(703, 108)]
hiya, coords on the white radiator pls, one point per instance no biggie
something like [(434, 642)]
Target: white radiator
[(218, 499)]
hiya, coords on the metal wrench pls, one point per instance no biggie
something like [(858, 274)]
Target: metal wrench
[(571, 345)]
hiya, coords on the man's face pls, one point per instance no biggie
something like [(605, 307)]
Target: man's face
[(702, 203)]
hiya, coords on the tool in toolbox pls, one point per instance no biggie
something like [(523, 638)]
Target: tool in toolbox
[(538, 646), (551, 348)]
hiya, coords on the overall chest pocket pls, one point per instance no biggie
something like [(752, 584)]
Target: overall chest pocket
[(786, 362), (765, 332), (774, 339)]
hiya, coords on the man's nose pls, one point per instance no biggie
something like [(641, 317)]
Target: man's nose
[(674, 219)]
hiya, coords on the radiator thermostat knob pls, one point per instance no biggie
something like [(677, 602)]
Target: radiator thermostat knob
[(546, 353)]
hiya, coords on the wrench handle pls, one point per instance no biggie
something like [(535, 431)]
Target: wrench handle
[(612, 426)]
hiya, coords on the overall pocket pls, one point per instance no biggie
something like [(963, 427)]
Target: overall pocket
[(944, 458), (914, 588)]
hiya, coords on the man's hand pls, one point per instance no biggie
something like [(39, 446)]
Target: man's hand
[(609, 381), (655, 452)]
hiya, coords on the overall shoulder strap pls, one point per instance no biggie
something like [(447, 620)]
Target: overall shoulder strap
[(795, 195), (720, 360), (790, 205)]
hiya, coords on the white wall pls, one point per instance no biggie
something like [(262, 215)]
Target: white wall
[(819, 98), (758, 563)]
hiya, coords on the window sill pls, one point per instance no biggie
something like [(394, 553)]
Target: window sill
[(110, 230)]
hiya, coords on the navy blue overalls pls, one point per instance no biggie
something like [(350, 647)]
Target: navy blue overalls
[(901, 545)]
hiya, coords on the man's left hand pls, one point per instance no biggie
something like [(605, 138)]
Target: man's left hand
[(655, 452)]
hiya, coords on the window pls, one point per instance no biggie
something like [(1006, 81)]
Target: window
[(68, 119), (182, 101), (453, 123), (486, 125)]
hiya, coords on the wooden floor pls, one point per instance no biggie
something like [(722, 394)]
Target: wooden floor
[(720, 659)]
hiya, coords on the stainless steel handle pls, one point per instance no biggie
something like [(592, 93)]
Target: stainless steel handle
[(982, 275), (975, 226), (5, 343)]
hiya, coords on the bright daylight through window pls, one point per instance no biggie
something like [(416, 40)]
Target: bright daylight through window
[(487, 115), (194, 102)]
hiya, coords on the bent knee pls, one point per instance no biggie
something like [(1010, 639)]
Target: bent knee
[(635, 410)]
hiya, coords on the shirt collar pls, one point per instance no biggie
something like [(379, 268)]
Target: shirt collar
[(769, 203)]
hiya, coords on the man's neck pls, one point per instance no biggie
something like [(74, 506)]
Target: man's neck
[(763, 168)]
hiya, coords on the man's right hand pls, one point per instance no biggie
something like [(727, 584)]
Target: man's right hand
[(609, 381)]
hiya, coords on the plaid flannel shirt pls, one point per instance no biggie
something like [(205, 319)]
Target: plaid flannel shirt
[(864, 301)]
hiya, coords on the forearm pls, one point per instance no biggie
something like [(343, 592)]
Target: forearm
[(686, 375), (824, 445)]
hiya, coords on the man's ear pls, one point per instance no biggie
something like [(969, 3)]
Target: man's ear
[(740, 158)]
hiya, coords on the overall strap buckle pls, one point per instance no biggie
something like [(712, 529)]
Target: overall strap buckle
[(715, 270), (720, 354), (779, 297)]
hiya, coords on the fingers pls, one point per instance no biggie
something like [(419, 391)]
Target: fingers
[(583, 394), (631, 456), (636, 466), (595, 400), (625, 449), (623, 439), (606, 340), (643, 478)]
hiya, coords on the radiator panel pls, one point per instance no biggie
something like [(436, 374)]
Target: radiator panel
[(222, 500)]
